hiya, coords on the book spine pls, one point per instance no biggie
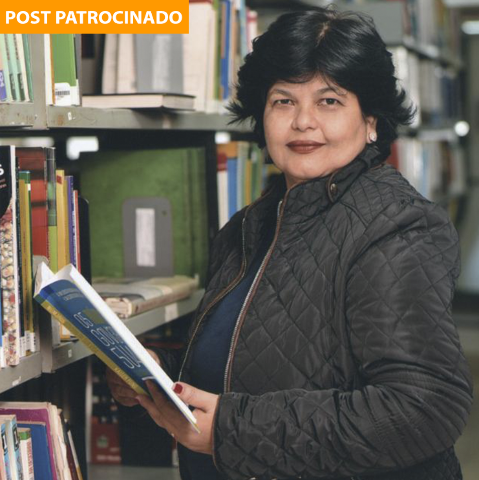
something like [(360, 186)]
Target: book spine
[(70, 200), (9, 261), (28, 65), (16, 448), (49, 79), (76, 229), (27, 268), (12, 65), (3, 87), (22, 68), (19, 255), (5, 68), (6, 456), (62, 221), (26, 448), (90, 344), (52, 208)]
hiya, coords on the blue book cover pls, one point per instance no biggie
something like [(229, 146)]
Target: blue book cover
[(4, 68), (70, 201), (6, 457), (3, 87), (226, 9), (232, 170), (69, 298), (41, 452)]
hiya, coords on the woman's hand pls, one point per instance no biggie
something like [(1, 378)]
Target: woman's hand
[(120, 390), (167, 415)]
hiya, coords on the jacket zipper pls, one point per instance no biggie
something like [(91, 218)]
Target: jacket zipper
[(252, 290)]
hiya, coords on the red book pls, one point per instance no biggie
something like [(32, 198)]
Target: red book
[(34, 160)]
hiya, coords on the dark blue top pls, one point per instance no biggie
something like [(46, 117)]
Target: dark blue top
[(210, 354)]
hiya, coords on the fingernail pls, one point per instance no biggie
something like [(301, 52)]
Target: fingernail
[(177, 388)]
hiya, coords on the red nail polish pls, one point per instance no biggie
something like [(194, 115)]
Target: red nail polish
[(178, 388)]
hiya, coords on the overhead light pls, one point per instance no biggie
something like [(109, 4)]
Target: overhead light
[(461, 128), (471, 27)]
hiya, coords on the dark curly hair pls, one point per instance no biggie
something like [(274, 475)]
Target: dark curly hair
[(342, 47)]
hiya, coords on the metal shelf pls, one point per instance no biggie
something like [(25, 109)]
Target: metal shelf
[(69, 352), (29, 367), (117, 118), (17, 115)]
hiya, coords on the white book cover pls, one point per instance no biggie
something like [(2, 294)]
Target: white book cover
[(110, 61), (126, 71), (48, 70)]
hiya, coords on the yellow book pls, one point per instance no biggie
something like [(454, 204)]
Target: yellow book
[(24, 187), (62, 221)]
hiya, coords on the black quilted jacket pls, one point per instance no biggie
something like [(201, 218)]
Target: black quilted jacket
[(345, 362)]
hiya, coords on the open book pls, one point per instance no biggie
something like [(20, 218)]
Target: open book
[(74, 303)]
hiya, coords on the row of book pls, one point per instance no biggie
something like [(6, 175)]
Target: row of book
[(241, 176), (430, 22), (36, 443), (16, 83), (193, 71), (435, 168), (61, 69), (202, 63), (434, 89), (39, 217)]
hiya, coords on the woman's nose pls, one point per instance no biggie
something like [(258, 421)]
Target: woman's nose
[(305, 118)]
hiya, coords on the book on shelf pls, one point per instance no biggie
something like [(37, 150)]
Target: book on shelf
[(5, 461), (158, 68), (43, 440), (74, 302), (170, 101), (42, 466), (128, 297), (15, 68), (109, 178), (26, 447), (9, 268), (40, 162), (13, 445), (26, 258), (4, 91), (65, 75)]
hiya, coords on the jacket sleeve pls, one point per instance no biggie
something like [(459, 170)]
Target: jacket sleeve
[(413, 392)]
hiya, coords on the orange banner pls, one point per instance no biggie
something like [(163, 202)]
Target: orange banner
[(55, 16)]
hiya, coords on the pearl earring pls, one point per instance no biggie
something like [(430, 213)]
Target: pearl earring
[(372, 137)]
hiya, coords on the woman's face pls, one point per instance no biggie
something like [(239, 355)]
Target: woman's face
[(313, 129)]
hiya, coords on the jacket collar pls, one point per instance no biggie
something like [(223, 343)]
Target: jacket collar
[(309, 198)]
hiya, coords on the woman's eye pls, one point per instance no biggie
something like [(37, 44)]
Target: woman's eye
[(282, 101), (329, 101)]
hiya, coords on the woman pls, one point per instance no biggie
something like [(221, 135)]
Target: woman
[(324, 346)]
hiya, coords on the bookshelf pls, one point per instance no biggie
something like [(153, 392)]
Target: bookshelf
[(59, 122), (23, 119)]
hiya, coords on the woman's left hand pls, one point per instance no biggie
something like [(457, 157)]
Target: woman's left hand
[(167, 415)]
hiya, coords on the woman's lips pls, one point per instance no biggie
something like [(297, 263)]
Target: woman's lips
[(304, 147)]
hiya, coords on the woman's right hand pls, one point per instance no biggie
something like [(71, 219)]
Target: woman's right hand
[(120, 390)]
